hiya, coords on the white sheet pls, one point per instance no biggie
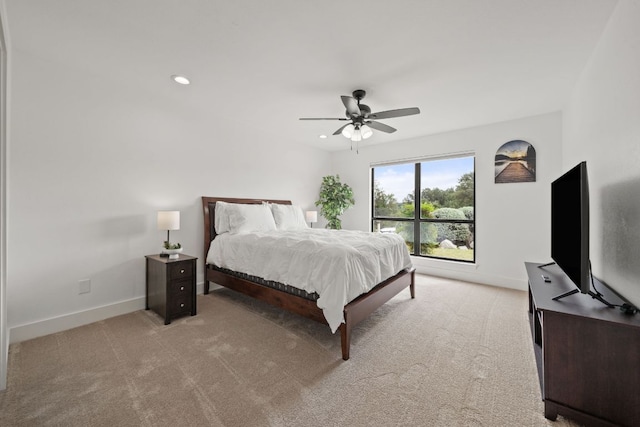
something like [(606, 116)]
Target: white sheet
[(339, 265)]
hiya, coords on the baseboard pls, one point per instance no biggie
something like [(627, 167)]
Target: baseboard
[(471, 275), (73, 320)]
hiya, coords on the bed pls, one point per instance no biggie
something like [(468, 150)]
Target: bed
[(294, 299)]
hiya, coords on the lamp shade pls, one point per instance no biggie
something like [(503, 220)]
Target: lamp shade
[(348, 131), (357, 135), (168, 220), (366, 131), (311, 216)]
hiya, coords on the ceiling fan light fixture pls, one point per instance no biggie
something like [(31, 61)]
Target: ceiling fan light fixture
[(366, 131), (348, 130), (357, 135)]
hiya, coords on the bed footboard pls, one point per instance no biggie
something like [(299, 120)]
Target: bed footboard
[(361, 307), (354, 312)]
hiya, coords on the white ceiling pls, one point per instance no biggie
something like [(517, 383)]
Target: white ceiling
[(267, 63)]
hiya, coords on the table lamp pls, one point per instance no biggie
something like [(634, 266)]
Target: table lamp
[(311, 217), (169, 220)]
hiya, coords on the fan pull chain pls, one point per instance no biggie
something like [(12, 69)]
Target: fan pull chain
[(357, 147)]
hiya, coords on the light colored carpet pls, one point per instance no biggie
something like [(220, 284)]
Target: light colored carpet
[(460, 354)]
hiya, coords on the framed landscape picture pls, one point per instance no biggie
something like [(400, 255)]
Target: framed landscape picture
[(515, 162)]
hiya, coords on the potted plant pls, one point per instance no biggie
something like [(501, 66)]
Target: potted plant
[(171, 249), (335, 198)]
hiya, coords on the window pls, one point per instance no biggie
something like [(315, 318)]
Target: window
[(431, 204)]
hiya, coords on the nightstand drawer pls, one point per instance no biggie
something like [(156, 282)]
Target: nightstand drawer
[(180, 305), (181, 270), (181, 287)]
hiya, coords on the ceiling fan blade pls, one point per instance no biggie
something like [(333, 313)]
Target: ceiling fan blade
[(322, 118), (395, 113), (381, 127), (339, 131), (352, 106)]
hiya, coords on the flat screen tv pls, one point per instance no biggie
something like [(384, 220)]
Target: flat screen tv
[(570, 233), (570, 226)]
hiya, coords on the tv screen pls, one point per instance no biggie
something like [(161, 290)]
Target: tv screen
[(570, 225)]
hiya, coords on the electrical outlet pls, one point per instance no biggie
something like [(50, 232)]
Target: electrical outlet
[(84, 286)]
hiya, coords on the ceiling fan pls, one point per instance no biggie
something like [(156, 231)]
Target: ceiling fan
[(362, 120)]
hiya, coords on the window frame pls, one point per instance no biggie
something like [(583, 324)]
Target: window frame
[(417, 220)]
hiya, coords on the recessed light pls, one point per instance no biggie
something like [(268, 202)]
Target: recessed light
[(180, 79), (322, 136)]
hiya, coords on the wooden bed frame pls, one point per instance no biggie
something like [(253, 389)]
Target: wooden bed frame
[(354, 312)]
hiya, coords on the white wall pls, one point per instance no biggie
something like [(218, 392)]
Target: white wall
[(91, 161), (602, 126), (512, 220)]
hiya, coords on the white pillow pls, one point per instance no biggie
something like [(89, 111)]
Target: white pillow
[(222, 217), (288, 217), (249, 218)]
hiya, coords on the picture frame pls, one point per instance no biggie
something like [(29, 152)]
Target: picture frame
[(515, 161)]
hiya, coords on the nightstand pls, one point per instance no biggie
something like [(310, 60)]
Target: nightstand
[(171, 286)]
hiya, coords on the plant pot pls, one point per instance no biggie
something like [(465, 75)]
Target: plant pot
[(172, 253)]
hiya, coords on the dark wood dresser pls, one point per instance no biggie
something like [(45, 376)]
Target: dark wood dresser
[(588, 354), (171, 286)]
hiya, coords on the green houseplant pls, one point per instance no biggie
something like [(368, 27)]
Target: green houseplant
[(335, 198)]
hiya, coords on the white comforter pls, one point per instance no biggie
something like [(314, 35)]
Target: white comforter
[(337, 264)]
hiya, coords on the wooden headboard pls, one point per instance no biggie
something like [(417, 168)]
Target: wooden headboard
[(209, 208)]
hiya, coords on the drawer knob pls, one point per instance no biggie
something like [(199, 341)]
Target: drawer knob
[(181, 305), (182, 288), (182, 271)]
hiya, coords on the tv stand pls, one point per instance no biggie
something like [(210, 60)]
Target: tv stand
[(587, 354)]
